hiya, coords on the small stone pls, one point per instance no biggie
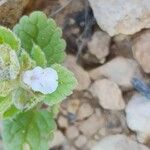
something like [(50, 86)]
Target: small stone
[(85, 111), (99, 45), (72, 132), (90, 126), (138, 117), (80, 74), (80, 141), (141, 50), (55, 142), (62, 122), (120, 70), (108, 94), (73, 106), (121, 16), (118, 142)]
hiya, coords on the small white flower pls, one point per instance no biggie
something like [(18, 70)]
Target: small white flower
[(41, 80)]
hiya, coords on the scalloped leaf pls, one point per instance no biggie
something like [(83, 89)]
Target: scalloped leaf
[(6, 87), (25, 100), (5, 104), (67, 83), (29, 130), (8, 37), (26, 62), (11, 112), (38, 56), (38, 29)]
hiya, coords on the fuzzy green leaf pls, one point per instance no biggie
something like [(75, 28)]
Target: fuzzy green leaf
[(11, 112), (6, 87), (8, 37), (67, 83), (29, 130), (25, 100), (26, 62), (5, 104), (38, 29), (38, 56)]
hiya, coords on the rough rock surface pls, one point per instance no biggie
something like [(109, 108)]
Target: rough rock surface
[(108, 94), (118, 142), (122, 16), (11, 11), (120, 70), (141, 49), (138, 117)]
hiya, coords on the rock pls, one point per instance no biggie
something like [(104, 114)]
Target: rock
[(99, 45), (108, 94), (121, 16), (11, 11), (141, 50), (72, 132), (120, 70), (123, 45), (80, 141), (118, 142), (138, 117), (73, 106), (85, 111), (90, 126), (80, 74), (55, 142), (62, 122)]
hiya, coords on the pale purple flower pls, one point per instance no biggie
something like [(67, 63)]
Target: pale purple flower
[(41, 80)]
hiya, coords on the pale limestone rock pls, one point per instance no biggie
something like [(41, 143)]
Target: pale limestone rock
[(118, 142), (121, 16), (108, 94), (141, 50)]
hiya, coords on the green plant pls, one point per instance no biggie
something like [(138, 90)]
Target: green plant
[(32, 81)]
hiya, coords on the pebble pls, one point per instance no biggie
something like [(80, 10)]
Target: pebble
[(108, 94), (62, 122), (141, 50), (85, 111), (80, 141), (99, 45), (120, 70), (72, 132), (90, 126), (138, 117), (55, 142), (118, 142)]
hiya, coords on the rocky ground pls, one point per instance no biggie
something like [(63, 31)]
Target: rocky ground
[(105, 112)]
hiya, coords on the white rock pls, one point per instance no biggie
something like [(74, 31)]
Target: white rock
[(72, 132), (138, 116), (118, 142), (141, 50), (59, 139), (85, 111), (80, 141), (99, 45), (80, 74), (90, 126), (108, 94), (120, 70), (122, 16)]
